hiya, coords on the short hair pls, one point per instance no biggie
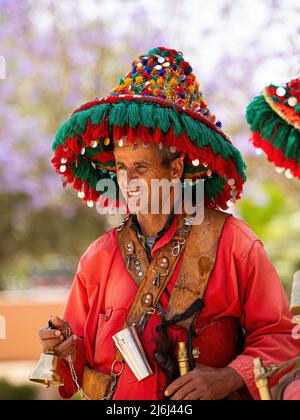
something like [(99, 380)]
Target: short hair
[(168, 156)]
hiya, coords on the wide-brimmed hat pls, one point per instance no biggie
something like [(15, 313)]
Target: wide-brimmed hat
[(274, 119), (159, 101)]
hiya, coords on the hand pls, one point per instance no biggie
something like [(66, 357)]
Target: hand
[(56, 340), (205, 383)]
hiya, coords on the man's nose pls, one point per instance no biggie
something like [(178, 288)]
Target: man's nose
[(132, 175), (127, 177)]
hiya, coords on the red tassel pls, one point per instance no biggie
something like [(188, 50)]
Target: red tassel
[(77, 184), (157, 135), (131, 134), (117, 133), (276, 155)]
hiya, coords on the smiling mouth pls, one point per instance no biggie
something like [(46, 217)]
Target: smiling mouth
[(133, 193)]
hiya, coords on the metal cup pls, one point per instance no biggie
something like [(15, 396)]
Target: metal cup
[(129, 344)]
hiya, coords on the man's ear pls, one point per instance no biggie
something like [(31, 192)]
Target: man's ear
[(177, 168)]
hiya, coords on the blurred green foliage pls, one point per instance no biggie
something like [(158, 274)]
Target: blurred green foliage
[(16, 392), (43, 243)]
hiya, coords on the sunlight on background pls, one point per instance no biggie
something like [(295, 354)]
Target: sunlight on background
[(58, 56)]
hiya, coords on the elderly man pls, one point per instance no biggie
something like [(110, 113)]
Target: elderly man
[(210, 286)]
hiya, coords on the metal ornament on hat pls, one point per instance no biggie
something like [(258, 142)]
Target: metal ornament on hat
[(124, 142), (233, 193)]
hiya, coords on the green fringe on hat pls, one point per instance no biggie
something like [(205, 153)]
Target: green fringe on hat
[(151, 115), (137, 113), (263, 120)]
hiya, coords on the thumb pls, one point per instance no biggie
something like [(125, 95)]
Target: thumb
[(58, 323)]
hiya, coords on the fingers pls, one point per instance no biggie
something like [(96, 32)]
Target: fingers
[(47, 334), (58, 323), (66, 347), (193, 396), (184, 391), (59, 346), (49, 345), (58, 339), (178, 384)]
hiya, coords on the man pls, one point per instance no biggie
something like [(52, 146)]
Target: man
[(212, 284)]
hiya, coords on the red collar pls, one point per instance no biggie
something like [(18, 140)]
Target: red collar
[(166, 237)]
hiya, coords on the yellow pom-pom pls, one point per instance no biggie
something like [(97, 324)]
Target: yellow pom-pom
[(152, 83), (173, 82), (138, 80), (191, 89), (156, 91), (127, 81), (160, 81)]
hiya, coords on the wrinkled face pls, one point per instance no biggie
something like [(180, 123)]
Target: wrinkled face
[(136, 170)]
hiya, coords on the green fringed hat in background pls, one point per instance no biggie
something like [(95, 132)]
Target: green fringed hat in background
[(159, 101), (274, 119)]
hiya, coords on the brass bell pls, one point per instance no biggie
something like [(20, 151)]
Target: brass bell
[(46, 372)]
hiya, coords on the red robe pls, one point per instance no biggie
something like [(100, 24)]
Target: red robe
[(243, 286)]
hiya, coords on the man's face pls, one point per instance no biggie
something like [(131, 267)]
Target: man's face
[(136, 168)]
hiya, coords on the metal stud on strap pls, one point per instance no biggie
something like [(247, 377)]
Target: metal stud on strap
[(177, 247), (149, 311), (156, 281)]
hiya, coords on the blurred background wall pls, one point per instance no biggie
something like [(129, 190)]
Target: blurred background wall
[(58, 55)]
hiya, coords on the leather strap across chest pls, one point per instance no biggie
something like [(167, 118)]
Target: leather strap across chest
[(151, 278), (197, 265), (199, 244)]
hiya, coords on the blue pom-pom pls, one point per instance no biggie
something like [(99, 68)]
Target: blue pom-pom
[(219, 124), (182, 95)]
